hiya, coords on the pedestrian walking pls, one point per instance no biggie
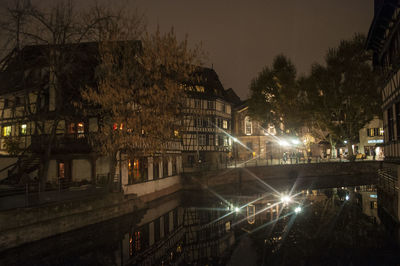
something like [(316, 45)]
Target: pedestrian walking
[(373, 153)]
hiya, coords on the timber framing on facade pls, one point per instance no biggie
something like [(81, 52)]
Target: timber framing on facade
[(207, 122), (384, 40), (45, 124)]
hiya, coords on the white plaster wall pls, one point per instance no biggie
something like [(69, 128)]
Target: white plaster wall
[(169, 167), (102, 165), (81, 170), (179, 164), (52, 174), (161, 169), (150, 168), (145, 188), (4, 162), (124, 171)]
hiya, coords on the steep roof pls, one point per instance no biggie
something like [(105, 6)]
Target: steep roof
[(28, 68), (211, 86), (383, 13)]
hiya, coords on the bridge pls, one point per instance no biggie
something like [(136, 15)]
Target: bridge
[(324, 174)]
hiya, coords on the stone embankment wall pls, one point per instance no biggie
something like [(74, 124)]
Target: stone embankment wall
[(359, 170), (25, 225)]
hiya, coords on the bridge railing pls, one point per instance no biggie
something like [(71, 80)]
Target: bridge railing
[(281, 161), (209, 166)]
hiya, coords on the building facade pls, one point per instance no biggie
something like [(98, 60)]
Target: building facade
[(384, 40), (42, 127), (371, 140), (207, 122), (252, 141)]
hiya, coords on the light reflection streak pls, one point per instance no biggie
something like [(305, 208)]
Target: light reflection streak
[(262, 182)]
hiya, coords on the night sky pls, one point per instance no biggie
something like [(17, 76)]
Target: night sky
[(241, 37)]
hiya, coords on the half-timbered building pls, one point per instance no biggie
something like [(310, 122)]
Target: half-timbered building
[(43, 126), (384, 40), (207, 123)]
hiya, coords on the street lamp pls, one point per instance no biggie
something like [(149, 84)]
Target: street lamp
[(285, 199), (297, 209)]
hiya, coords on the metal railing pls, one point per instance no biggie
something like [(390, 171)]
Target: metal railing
[(253, 162), (388, 180)]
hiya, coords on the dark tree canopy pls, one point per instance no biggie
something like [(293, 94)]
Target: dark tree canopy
[(275, 96), (343, 95)]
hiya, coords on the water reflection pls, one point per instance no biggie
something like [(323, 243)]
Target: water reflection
[(304, 227)]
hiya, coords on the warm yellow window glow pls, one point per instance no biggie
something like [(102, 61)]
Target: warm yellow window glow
[(23, 129), (6, 131), (199, 88)]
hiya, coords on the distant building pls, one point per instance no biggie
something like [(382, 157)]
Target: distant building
[(384, 39), (252, 140), (371, 139), (207, 123)]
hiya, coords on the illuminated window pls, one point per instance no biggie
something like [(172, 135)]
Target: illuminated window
[(61, 170), (6, 131), (176, 133), (225, 141), (71, 128), (199, 88), (134, 243), (137, 170), (373, 132), (80, 129), (224, 124), (23, 129), (248, 126)]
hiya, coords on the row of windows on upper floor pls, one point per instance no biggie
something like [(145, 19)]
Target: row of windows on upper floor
[(138, 169), (207, 140), (208, 122), (8, 130), (248, 128), (209, 105), (375, 132)]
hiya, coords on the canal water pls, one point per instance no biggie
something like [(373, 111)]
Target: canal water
[(259, 224)]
